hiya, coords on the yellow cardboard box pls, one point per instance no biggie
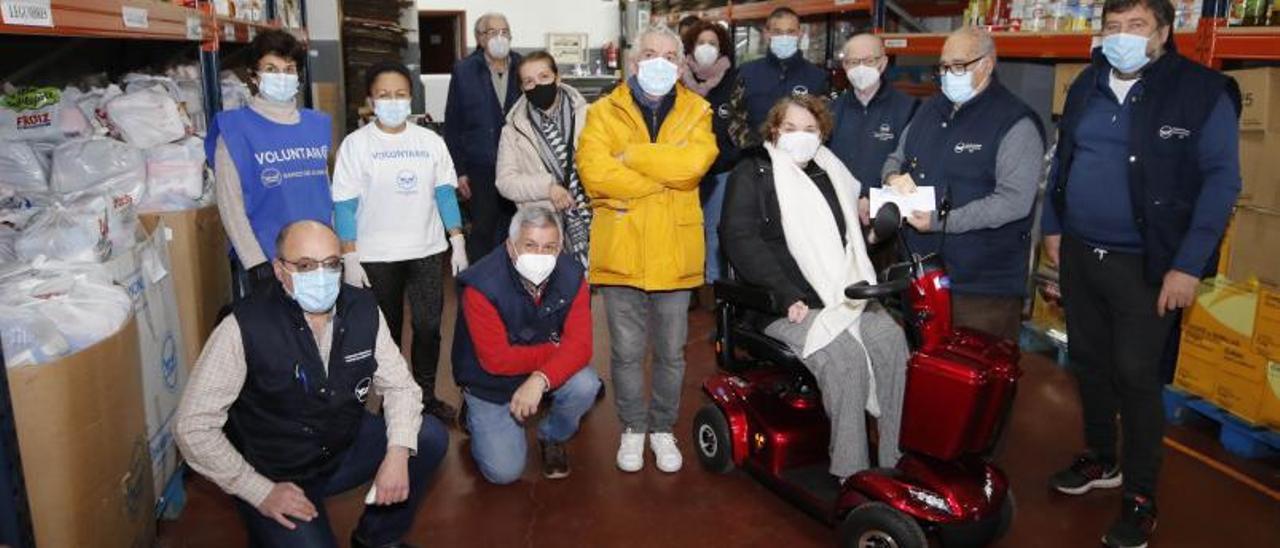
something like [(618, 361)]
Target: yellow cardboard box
[(1260, 98)]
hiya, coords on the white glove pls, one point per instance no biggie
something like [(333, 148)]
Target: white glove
[(459, 260), (352, 272)]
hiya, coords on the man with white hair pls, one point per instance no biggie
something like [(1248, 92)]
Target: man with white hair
[(643, 151), (481, 92), (524, 332), (982, 149), (870, 116)]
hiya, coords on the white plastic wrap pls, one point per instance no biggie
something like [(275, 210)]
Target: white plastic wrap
[(49, 309), (29, 337), (175, 176), (22, 168), (76, 234), (40, 114), (92, 104), (147, 117), (83, 164)]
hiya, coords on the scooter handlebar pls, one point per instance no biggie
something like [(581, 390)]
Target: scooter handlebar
[(865, 291)]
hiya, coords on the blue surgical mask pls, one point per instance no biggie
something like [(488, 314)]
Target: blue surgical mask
[(958, 89), (1127, 53), (316, 291), (784, 47), (392, 112), (278, 86), (657, 76)]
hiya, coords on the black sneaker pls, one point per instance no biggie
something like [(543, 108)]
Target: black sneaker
[(1085, 474), (555, 461), (357, 542), (441, 410), (1137, 522)]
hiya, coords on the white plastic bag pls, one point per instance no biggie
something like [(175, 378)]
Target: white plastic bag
[(147, 118), (22, 168), (29, 337), (85, 310), (92, 104), (40, 114), (49, 309), (175, 176), (82, 164), (235, 93), (63, 233)]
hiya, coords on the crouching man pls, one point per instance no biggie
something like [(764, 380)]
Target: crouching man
[(274, 412), (524, 333)]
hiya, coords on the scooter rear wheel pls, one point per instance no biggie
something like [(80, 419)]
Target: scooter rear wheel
[(711, 438), (878, 525)]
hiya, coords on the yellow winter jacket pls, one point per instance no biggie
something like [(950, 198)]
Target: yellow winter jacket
[(647, 230)]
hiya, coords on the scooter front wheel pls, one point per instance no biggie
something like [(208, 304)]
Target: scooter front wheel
[(878, 525), (711, 438)]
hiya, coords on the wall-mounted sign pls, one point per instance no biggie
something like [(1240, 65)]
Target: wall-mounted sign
[(568, 48)]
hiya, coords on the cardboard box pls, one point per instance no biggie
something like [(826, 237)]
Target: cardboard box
[(1260, 169), (1266, 324), (1063, 75), (201, 271), (1254, 235), (83, 440), (1260, 98)]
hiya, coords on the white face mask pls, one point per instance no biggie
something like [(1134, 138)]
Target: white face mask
[(863, 77), (657, 76), (706, 54), (801, 146), (535, 267), (498, 47)]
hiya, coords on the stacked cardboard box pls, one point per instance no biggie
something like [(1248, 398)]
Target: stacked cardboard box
[(1260, 136), (1063, 75)]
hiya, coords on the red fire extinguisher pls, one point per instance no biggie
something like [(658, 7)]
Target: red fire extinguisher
[(611, 55)]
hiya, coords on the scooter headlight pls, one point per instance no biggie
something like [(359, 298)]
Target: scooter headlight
[(930, 499)]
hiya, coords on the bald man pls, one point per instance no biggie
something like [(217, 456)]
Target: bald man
[(981, 147), (274, 412), (870, 116)]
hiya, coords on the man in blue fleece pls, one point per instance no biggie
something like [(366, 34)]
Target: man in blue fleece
[(1143, 181)]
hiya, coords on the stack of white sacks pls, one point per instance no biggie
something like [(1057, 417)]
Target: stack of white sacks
[(76, 168)]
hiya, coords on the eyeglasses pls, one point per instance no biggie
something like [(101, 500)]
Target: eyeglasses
[(850, 62), (958, 69), (307, 264), (499, 32)]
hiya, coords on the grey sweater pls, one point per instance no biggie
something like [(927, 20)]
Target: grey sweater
[(227, 185), (1019, 168)]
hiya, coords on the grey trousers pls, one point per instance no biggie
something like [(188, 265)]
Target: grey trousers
[(841, 371), (637, 318)]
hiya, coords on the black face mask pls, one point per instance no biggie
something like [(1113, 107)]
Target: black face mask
[(543, 95)]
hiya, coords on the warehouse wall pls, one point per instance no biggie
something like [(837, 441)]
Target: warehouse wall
[(531, 20), (326, 62)]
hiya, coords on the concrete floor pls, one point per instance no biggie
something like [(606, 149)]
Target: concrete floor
[(601, 506)]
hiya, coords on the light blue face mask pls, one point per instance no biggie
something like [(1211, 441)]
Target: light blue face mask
[(316, 291), (657, 76), (392, 112), (1127, 53), (278, 86), (783, 47), (958, 89)]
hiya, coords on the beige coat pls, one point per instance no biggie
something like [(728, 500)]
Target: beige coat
[(521, 176)]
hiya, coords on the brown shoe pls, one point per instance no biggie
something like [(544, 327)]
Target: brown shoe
[(555, 461), (441, 410)]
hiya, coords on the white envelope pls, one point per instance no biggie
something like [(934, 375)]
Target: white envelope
[(921, 200)]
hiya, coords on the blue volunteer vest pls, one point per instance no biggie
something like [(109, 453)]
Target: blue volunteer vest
[(527, 323), (283, 169), (864, 136), (766, 80), (287, 428), (955, 152)]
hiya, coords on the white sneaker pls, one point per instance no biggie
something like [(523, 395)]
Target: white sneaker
[(665, 452), (631, 452)]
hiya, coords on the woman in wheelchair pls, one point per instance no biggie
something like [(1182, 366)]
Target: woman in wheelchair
[(790, 225)]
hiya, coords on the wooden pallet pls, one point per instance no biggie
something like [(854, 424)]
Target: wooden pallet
[(1236, 436)]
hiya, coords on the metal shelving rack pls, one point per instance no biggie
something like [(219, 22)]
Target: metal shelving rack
[(148, 20)]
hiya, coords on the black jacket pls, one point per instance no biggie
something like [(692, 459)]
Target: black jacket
[(751, 232)]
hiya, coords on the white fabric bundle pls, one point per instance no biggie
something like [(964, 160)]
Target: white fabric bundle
[(147, 117)]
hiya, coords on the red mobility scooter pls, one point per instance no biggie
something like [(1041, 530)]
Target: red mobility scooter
[(766, 416)]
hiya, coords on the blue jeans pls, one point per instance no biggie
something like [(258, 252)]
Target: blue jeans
[(712, 204), (379, 525), (498, 442)]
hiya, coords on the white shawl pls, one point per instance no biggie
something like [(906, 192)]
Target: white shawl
[(813, 239)]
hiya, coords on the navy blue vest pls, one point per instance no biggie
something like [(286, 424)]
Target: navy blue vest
[(864, 136), (291, 419), (955, 152), (527, 323), (1164, 176), (766, 80)]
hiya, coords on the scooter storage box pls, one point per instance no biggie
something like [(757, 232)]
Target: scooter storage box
[(957, 395)]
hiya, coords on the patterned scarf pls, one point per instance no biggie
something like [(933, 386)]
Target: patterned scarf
[(555, 147), (702, 79)]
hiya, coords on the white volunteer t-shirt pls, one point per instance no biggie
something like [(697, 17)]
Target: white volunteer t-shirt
[(395, 177)]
